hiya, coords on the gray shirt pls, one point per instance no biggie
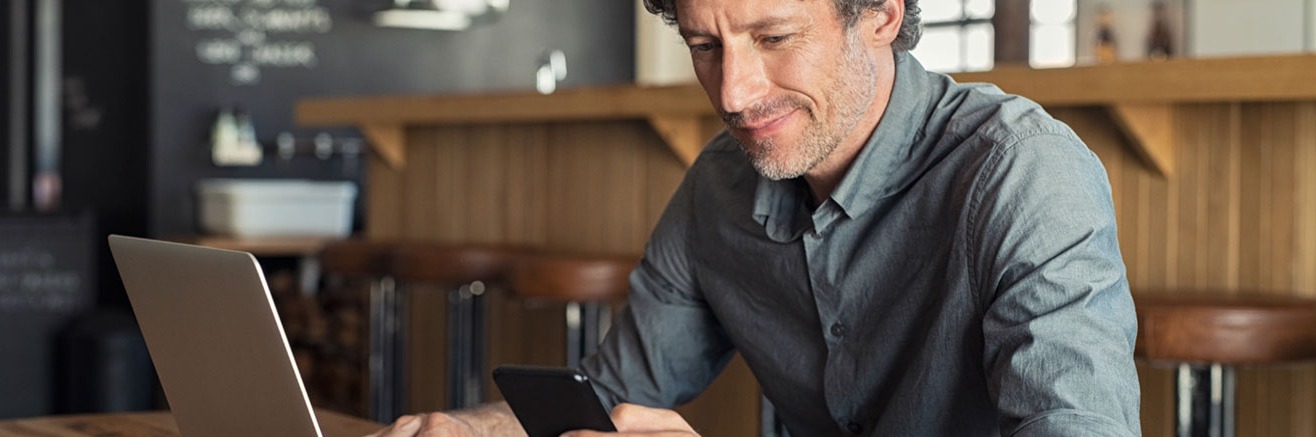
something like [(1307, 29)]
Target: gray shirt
[(963, 279)]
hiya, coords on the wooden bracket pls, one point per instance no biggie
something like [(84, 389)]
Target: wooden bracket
[(1149, 126), (682, 133), (387, 140)]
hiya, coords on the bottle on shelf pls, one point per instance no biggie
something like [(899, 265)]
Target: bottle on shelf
[(1159, 44), (1105, 48)]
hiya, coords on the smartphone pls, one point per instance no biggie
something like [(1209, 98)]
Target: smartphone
[(549, 401)]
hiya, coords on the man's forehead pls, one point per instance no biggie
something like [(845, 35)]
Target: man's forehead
[(744, 15)]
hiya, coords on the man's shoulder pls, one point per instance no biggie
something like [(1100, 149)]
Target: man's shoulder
[(984, 111)]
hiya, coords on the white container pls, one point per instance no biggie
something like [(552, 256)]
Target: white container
[(276, 208)]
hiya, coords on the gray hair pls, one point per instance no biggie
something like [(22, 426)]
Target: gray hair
[(848, 10)]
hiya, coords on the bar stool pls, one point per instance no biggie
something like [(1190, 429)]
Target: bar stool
[(1206, 336), (586, 283), (369, 262), (465, 271)]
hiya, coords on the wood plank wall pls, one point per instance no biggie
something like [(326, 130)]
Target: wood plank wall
[(1237, 216), (588, 187)]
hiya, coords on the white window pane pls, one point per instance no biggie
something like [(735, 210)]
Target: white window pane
[(1052, 45), (940, 10), (1053, 11), (980, 8), (939, 50), (978, 47)]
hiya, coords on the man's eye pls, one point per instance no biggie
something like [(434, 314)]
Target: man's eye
[(776, 39), (701, 48)]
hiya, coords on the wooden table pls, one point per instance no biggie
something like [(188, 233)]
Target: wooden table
[(152, 424)]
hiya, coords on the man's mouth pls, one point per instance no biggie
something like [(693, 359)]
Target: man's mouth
[(763, 127)]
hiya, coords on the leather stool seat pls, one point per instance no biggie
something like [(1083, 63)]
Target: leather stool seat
[(573, 277), (585, 282), (464, 271), (453, 263), (357, 258), (1206, 335), (1226, 329)]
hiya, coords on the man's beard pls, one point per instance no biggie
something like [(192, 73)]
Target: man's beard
[(850, 100)]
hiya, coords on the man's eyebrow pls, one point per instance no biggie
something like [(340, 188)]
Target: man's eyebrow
[(765, 23), (691, 33)]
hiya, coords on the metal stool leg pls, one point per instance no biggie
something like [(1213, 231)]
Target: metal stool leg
[(479, 343), (1204, 400), (386, 357), (769, 424), (466, 345), (575, 345), (591, 325)]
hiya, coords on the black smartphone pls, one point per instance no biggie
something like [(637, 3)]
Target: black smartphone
[(549, 401)]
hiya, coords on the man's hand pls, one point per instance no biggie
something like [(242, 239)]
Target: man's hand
[(494, 419), (634, 420), (431, 424)]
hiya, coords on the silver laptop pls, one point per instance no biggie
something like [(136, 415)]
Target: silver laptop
[(215, 338)]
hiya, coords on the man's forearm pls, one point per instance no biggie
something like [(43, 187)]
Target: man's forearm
[(492, 419)]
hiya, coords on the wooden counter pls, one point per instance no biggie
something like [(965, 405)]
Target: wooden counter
[(1210, 162), (157, 424)]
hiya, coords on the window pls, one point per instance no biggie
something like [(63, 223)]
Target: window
[(958, 35), (1052, 41)]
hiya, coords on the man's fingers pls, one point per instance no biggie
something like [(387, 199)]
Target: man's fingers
[(405, 426), (632, 418)]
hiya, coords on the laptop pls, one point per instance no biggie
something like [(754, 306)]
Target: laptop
[(215, 338)]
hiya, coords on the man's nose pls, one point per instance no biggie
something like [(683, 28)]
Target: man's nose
[(744, 79)]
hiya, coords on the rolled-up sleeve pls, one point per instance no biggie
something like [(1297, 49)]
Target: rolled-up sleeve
[(1059, 324), (665, 346)]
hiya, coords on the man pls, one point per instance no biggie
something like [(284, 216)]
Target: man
[(891, 252)]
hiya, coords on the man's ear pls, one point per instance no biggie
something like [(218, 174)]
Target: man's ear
[(883, 25)]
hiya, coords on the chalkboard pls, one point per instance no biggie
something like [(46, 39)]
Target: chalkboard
[(251, 35), (47, 277), (263, 56)]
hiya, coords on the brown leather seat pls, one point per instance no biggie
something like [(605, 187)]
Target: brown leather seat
[(587, 283), (453, 264), (573, 278), (358, 258), (463, 271), (1226, 329), (1206, 335)]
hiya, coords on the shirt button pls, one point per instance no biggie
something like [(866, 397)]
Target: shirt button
[(838, 330), (854, 427)]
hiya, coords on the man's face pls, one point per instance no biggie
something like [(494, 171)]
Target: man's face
[(789, 80)]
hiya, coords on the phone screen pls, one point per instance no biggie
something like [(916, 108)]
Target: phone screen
[(549, 401)]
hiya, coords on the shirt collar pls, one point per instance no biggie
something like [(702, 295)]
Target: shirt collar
[(881, 168), (885, 165)]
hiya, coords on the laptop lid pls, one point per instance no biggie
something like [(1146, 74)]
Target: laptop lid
[(215, 338)]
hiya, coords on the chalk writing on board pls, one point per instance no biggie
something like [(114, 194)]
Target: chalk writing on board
[(35, 279), (248, 35)]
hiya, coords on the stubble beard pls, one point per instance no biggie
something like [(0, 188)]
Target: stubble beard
[(850, 101)]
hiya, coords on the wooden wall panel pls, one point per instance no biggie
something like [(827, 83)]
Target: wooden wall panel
[(592, 187), (1234, 217)]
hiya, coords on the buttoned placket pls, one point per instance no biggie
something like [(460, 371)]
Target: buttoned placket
[(824, 279)]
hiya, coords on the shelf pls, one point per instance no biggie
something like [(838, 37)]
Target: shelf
[(1260, 78), (1138, 96)]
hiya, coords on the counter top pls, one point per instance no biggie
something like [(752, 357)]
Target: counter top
[(154, 423)]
